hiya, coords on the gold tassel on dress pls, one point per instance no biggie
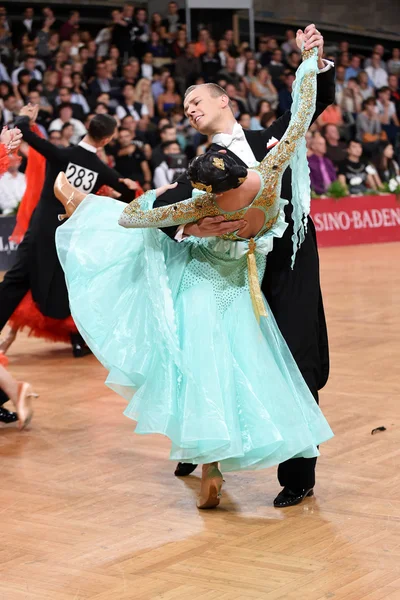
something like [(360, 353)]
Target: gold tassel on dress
[(254, 284)]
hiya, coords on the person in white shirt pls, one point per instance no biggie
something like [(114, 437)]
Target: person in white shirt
[(4, 76), (147, 66), (12, 188), (376, 73), (385, 108), (30, 65), (130, 106), (66, 117), (163, 174)]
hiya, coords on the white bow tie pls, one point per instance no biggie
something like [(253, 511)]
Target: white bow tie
[(226, 140)]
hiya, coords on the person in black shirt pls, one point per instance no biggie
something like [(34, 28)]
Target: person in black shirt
[(130, 160), (37, 267), (354, 173)]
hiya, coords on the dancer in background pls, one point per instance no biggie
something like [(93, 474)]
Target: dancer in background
[(20, 393)]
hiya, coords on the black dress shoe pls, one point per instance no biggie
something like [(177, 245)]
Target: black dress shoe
[(184, 469), (6, 416), (287, 498)]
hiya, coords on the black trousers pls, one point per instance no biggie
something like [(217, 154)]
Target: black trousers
[(16, 282), (3, 397)]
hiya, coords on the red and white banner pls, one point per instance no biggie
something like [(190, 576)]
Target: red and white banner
[(356, 220)]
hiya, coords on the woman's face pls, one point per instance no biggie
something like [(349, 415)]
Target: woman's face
[(157, 20), (245, 121), (263, 76), (264, 108), (252, 65), (77, 80), (170, 85), (388, 151), (114, 53)]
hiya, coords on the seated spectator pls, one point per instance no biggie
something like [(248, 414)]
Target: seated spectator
[(245, 53), (331, 115), (356, 174), (270, 46), (354, 68), (12, 188), (50, 86), (169, 99), (229, 37), (102, 83), (336, 150), (379, 50), (77, 93), (276, 67), (223, 52), (387, 167), (65, 116), (250, 72), (352, 98), (245, 120), (67, 132), (167, 134), (289, 45), (368, 124), (340, 83), (229, 71), (285, 93), (376, 73), (394, 63), (233, 94), (262, 88), (173, 20), (165, 174), (178, 48), (156, 46), (130, 105), (322, 170), (65, 97), (71, 26), (210, 62), (395, 92), (24, 86), (146, 69), (130, 161), (179, 121), (29, 65), (10, 110), (45, 109), (263, 107), (293, 60), (55, 137), (201, 44), (137, 137), (366, 90), (385, 108), (267, 119), (144, 96)]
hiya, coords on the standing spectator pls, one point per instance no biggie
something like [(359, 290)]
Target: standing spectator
[(158, 26), (70, 26), (355, 174), (395, 92), (276, 67), (65, 97), (102, 39), (290, 44), (187, 68), (120, 32), (12, 188), (263, 89), (27, 26), (380, 50), (376, 72), (169, 99), (173, 20), (146, 68), (322, 170), (266, 56), (354, 68), (164, 174), (144, 96), (210, 62), (336, 150), (179, 45), (130, 105), (387, 167), (285, 93), (366, 90), (245, 53), (65, 116), (130, 161), (394, 62), (140, 32), (229, 37), (223, 52), (43, 37)]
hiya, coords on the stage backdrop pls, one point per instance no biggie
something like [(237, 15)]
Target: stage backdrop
[(356, 220)]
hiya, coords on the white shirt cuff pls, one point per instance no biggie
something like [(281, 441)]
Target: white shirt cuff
[(328, 65), (180, 234)]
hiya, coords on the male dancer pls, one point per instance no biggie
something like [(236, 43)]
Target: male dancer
[(294, 295), (37, 267)]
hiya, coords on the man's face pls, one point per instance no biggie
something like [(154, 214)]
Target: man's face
[(340, 73), (172, 8), (229, 36), (379, 49), (172, 149), (319, 145), (211, 47), (129, 92), (105, 98), (34, 98), (141, 15), (376, 60), (169, 135), (130, 123), (29, 13), (245, 121), (355, 62), (231, 64), (230, 90), (66, 114), (332, 133), (128, 11), (55, 137), (101, 71), (124, 139), (355, 149), (204, 110), (68, 132), (191, 50), (148, 58), (74, 19), (30, 63), (11, 103), (384, 96), (65, 96), (277, 56), (393, 82)]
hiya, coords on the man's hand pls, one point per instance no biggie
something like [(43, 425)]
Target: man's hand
[(212, 227), (132, 185), (312, 39), (31, 111), (11, 138)]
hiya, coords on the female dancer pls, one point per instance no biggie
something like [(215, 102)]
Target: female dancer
[(10, 389), (183, 329)]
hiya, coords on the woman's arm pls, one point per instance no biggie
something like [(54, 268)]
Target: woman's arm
[(160, 105)]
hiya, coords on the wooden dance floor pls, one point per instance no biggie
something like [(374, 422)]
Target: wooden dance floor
[(90, 511)]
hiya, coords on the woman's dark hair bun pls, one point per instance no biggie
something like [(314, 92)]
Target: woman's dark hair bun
[(218, 170)]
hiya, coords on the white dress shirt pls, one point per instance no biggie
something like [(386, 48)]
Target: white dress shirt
[(12, 188), (378, 76)]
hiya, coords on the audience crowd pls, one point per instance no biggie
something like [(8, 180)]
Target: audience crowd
[(137, 68)]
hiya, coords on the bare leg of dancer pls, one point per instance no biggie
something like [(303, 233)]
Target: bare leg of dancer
[(6, 342)]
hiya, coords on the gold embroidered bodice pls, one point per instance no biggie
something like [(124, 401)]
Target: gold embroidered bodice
[(270, 169)]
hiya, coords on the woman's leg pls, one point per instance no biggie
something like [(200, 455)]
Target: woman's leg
[(6, 342), (211, 484)]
